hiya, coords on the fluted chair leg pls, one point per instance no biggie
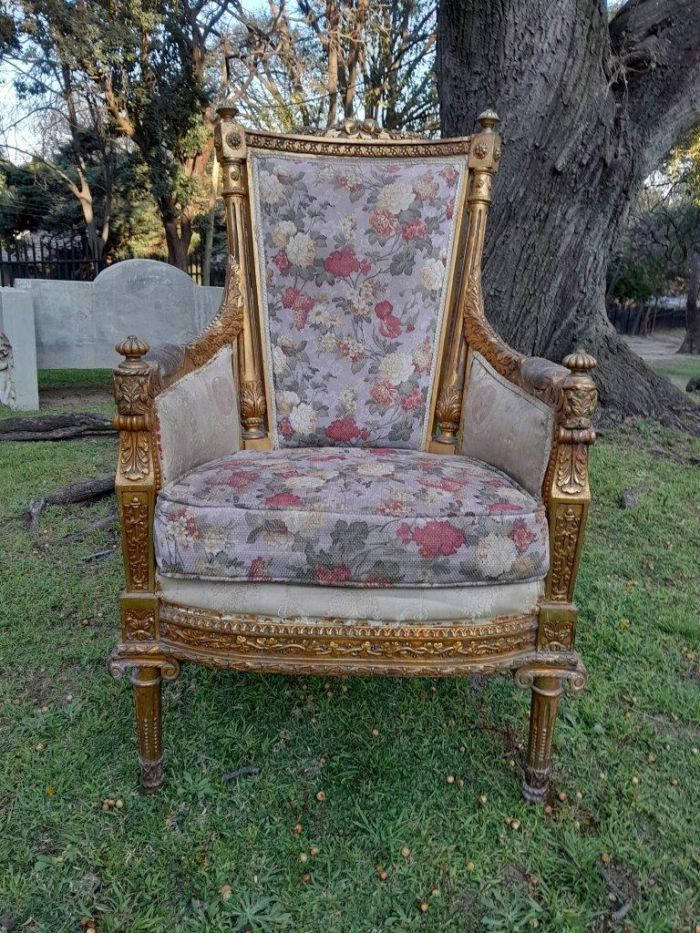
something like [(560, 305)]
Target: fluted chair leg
[(147, 690), (546, 692)]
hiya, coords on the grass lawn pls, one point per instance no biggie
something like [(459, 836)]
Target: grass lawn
[(264, 853)]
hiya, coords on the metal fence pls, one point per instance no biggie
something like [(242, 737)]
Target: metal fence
[(642, 320), (67, 258)]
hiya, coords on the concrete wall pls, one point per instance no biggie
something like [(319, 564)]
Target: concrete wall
[(78, 323), (17, 323)]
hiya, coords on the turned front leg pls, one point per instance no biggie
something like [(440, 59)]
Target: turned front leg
[(147, 690), (546, 692)]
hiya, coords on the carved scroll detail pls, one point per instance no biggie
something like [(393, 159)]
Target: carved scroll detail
[(227, 324)]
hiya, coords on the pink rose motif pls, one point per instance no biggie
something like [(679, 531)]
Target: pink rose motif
[(239, 480), (438, 539), (521, 536), (281, 261), (412, 401), (258, 569), (365, 266), (345, 182), (450, 175), (282, 500), (383, 309), (404, 533), (416, 230), (332, 576), (290, 296), (285, 428), (353, 353), (342, 262), (300, 317), (383, 393), (450, 209), (383, 222), (344, 430), (497, 507), (390, 327)]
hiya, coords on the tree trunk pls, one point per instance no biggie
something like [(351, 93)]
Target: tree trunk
[(577, 148), (177, 237), (691, 342)]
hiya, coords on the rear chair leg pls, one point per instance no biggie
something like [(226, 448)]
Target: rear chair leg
[(147, 691), (546, 692)]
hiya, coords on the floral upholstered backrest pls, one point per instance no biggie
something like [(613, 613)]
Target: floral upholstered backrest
[(354, 258)]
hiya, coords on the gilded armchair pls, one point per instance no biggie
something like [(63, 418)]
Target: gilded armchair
[(349, 472)]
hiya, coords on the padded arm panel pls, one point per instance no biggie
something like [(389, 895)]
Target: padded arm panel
[(197, 417), (505, 426)]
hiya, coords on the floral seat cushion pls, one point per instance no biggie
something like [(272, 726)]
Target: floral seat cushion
[(356, 517)]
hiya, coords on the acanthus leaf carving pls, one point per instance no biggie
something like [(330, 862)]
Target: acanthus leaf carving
[(565, 537), (135, 515)]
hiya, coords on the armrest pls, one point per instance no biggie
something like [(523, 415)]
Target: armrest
[(172, 361), (178, 405), (534, 375)]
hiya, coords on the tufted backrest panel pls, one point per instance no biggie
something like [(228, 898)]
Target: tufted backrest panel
[(354, 259)]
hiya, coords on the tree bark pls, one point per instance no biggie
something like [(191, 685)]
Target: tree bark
[(691, 342), (589, 108)]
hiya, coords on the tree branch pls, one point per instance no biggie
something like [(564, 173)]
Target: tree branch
[(656, 71)]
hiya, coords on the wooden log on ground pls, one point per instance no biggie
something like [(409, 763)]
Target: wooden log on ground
[(90, 491), (62, 427)]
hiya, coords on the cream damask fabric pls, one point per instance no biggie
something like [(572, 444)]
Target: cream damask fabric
[(506, 427), (197, 417), (394, 604), (355, 260)]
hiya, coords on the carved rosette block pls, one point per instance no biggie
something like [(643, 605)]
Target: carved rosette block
[(567, 489)]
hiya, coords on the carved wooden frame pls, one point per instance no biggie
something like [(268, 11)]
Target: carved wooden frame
[(156, 635)]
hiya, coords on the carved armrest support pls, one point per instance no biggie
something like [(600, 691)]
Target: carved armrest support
[(536, 376), (172, 361), (137, 477), (566, 489)]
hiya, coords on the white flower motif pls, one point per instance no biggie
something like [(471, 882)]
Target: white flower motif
[(286, 401), (279, 360), (432, 275), (304, 482), (396, 368), (282, 231), (347, 228), (301, 250), (328, 174), (303, 419), (423, 356), (348, 398), (375, 468), (270, 188), (396, 197), (495, 555), (327, 343)]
